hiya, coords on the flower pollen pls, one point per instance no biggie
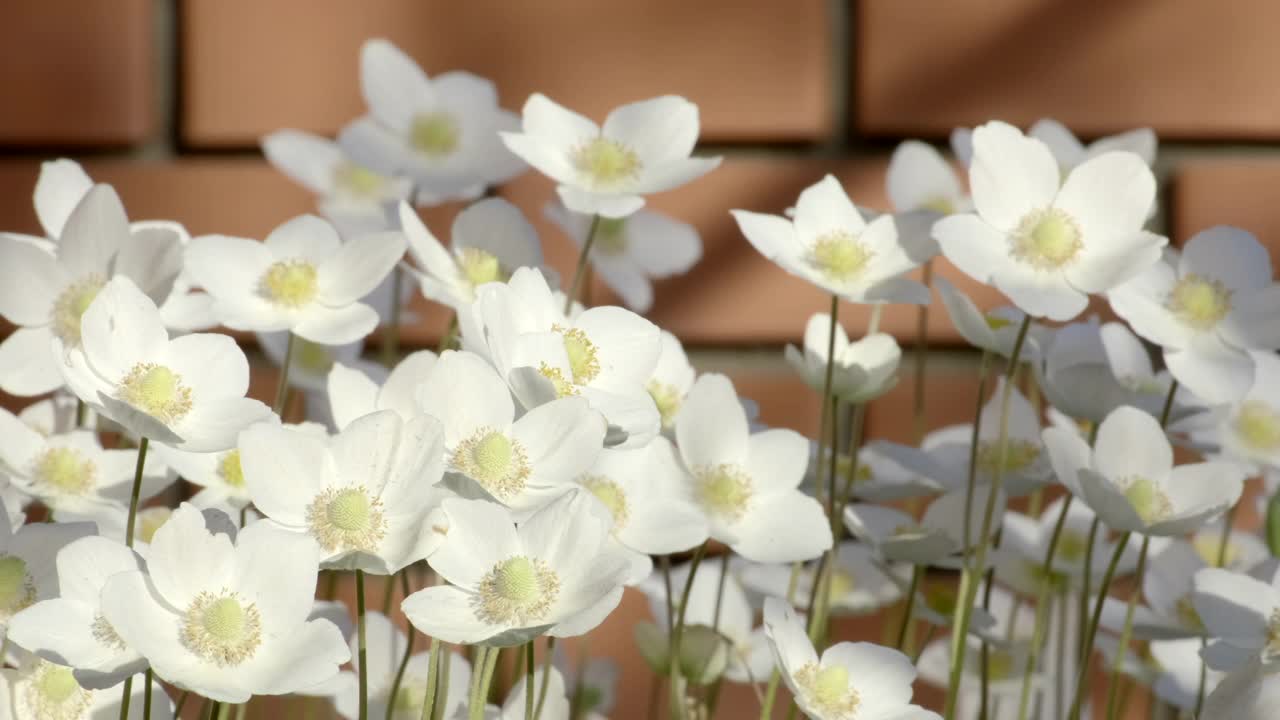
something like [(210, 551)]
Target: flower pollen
[(314, 358), (840, 256), (434, 134), (612, 495), (583, 362), (230, 471), (1046, 240), (610, 236), (70, 306), (1019, 455), (498, 463), (17, 588), (149, 521), (1258, 426), (358, 180), (346, 518), (827, 689), (517, 592), (479, 266), (52, 693), (668, 400), (1148, 499), (563, 386), (605, 163), (1198, 302), (157, 391), (106, 634), (724, 490), (221, 628), (290, 283), (65, 470)]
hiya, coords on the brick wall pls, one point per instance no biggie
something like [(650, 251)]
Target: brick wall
[(166, 99)]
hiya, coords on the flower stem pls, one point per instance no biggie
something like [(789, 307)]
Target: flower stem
[(282, 387), (408, 651), (917, 572), (433, 680), (1113, 694), (580, 272), (918, 426), (824, 415), (1042, 608), (362, 652), (146, 697), (546, 676), (677, 632), (391, 333), (1077, 705), (135, 492), (1228, 523), (215, 709), (127, 696), (485, 664), (1085, 592)]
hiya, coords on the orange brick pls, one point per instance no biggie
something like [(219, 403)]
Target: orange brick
[(76, 73), (1228, 192), (252, 67), (1188, 69)]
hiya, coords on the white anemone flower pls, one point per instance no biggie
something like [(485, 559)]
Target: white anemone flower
[(629, 253), (1207, 308), (441, 132), (1078, 374), (1167, 587), (187, 392), (302, 278), (886, 472), (644, 147), (1251, 693), (40, 690), (46, 287), (1247, 430), (385, 645), (1045, 242), (937, 539), (354, 198), (850, 680), (747, 483), (1070, 152), (491, 239), (923, 187), (671, 380), (995, 331), (363, 495), (522, 462), (606, 354), (1128, 478), (70, 629), (830, 244), (554, 574), (864, 370), (355, 391), (859, 585), (224, 619), (1025, 544), (1241, 617), (27, 556)]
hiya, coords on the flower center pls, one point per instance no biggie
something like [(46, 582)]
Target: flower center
[(149, 521), (495, 461), (52, 693), (1199, 302), (840, 256), (583, 362), (724, 490), (1147, 499), (995, 322), (605, 163), (1258, 426), (611, 236), (827, 690), (1046, 239), (941, 205), (434, 134), (516, 592), (1209, 548), (563, 386), (346, 519), (230, 471), (1019, 455), (842, 583), (479, 266), (221, 628), (668, 400), (407, 702), (1001, 664), (1072, 546), (290, 283), (613, 497), (65, 470), (941, 598), (1187, 613), (106, 634), (358, 180), (312, 357), (157, 391), (69, 307), (17, 589)]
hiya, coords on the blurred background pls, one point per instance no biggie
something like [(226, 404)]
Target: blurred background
[(167, 99)]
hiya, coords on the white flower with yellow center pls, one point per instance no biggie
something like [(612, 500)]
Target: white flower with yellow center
[(606, 355), (860, 585), (850, 681), (923, 187), (1025, 544), (523, 462), (441, 132), (1207, 308), (70, 629), (1241, 618), (354, 391), (995, 331), (1078, 372), (1248, 430), (1045, 242), (1070, 152), (224, 619), (886, 471), (187, 392), (747, 484), (47, 285), (1129, 480), (937, 538), (363, 495), (1250, 693), (864, 370), (491, 238), (302, 278), (642, 148), (555, 573), (671, 380), (630, 253), (830, 244), (353, 197), (42, 690), (27, 556), (1169, 612)]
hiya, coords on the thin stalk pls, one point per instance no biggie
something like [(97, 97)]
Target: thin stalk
[(546, 676), (433, 680), (677, 632), (282, 388), (442, 696), (824, 415), (136, 492), (580, 271), (1224, 540), (408, 651), (362, 652), (242, 710), (775, 677), (917, 572), (127, 696), (665, 562), (971, 483), (1042, 608), (1086, 581), (1113, 695), (1077, 705), (918, 426), (475, 695), (391, 334), (482, 689), (450, 334), (82, 412), (146, 696), (215, 709)]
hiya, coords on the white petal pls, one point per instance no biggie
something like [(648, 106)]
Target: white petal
[(1118, 259), (1233, 605), (784, 527), (1066, 148), (210, 364), (29, 282), (1108, 196), (357, 267), (28, 365), (184, 559), (918, 176), (1214, 371), (305, 237), (658, 130), (712, 427), (59, 189), (152, 258), (465, 394), (309, 159), (772, 236), (1040, 294), (562, 439), (556, 125), (825, 207), (674, 173), (392, 83), (499, 228), (1068, 453), (1232, 256), (1131, 444), (777, 460), (351, 394), (445, 612), (94, 232), (1010, 174), (480, 535), (283, 470), (973, 245), (604, 204), (121, 328), (336, 326), (276, 570)]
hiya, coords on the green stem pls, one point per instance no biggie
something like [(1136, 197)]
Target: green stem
[(362, 651), (1042, 608), (146, 696), (1077, 705), (408, 651), (126, 697), (580, 271), (136, 492), (971, 481), (546, 676), (918, 426), (824, 416), (389, 593), (1113, 695), (182, 700), (433, 680), (282, 387), (215, 709), (677, 632), (1228, 523), (481, 697), (391, 334), (1086, 581), (917, 572), (450, 333)]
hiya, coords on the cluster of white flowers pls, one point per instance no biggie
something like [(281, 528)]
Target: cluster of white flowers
[(515, 483)]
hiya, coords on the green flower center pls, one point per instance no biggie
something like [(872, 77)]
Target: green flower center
[(613, 497), (221, 628), (230, 471), (941, 205), (498, 463), (840, 256), (842, 583), (347, 519), (480, 266), (1187, 614), (1199, 302), (17, 589), (1209, 547), (1001, 664), (70, 306), (1272, 649), (583, 362), (724, 490), (65, 470), (827, 690), (157, 391), (941, 599), (1047, 239), (1148, 500), (52, 693), (1072, 546), (358, 180), (1019, 456), (668, 400), (434, 134), (605, 163), (1258, 426), (517, 592), (290, 283)]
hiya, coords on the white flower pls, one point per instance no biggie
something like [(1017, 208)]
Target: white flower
[(747, 483), (864, 370), (353, 393), (523, 462), (1025, 544), (1078, 373), (491, 238), (1241, 616), (643, 148), (302, 278), (629, 252), (71, 472), (1170, 611), (54, 415), (996, 331), (41, 690), (27, 556), (850, 680), (363, 495), (555, 707), (938, 538), (187, 392), (46, 287), (1250, 693), (1044, 242), (604, 354), (671, 380), (829, 244), (922, 187), (860, 584), (227, 621), (354, 198), (1248, 430), (70, 629), (555, 573), (441, 132), (1207, 308), (1129, 480), (886, 471), (1070, 152)]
